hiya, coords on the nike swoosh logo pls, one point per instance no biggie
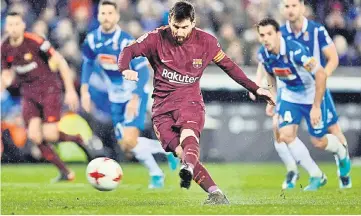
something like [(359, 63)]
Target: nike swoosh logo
[(165, 61)]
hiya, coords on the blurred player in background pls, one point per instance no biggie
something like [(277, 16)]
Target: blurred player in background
[(128, 98), (31, 62), (179, 53), (302, 95), (315, 37)]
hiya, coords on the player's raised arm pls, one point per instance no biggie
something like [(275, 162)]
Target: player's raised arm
[(328, 49), (237, 74), (143, 46)]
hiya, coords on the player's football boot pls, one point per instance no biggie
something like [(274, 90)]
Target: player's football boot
[(62, 177), (344, 169), (316, 183), (172, 161), (216, 198), (290, 181), (156, 182), (186, 175), (84, 146)]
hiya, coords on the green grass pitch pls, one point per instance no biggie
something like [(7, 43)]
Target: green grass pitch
[(251, 188)]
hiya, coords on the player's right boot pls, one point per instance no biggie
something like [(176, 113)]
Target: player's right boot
[(156, 182), (290, 181), (344, 169), (316, 183), (84, 146), (186, 175), (216, 198), (172, 161), (62, 177)]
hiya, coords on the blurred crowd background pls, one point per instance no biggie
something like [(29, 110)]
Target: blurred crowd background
[(66, 22)]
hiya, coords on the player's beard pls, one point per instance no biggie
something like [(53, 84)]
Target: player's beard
[(180, 39), (107, 27)]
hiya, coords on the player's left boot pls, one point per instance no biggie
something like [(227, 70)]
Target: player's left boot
[(316, 183), (186, 175), (62, 177), (172, 161), (156, 182), (344, 169), (216, 198)]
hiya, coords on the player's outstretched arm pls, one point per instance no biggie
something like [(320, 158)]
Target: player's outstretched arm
[(237, 74)]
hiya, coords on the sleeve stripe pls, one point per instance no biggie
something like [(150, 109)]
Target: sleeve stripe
[(34, 37), (219, 56)]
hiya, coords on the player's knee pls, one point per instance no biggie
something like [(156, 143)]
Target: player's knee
[(187, 133), (287, 138), (51, 132), (34, 131), (179, 151), (128, 142), (35, 136), (319, 143)]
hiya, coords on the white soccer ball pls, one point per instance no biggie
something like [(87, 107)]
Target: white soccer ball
[(104, 173)]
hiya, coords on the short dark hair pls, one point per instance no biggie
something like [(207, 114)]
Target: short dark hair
[(108, 2), (182, 10), (269, 21), (14, 13)]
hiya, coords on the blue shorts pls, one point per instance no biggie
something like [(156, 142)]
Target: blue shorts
[(292, 113), (120, 120), (332, 116)]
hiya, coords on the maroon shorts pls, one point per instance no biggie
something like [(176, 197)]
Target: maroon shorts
[(168, 126), (48, 108)]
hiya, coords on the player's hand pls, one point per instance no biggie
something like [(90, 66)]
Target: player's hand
[(132, 107), (72, 100), (315, 115), (266, 95), (252, 96), (270, 110), (85, 101), (7, 78), (130, 75)]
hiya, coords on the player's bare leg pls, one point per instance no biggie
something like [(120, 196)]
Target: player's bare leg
[(52, 134), (35, 134), (129, 143), (286, 157), (288, 134), (344, 181), (192, 169), (331, 143)]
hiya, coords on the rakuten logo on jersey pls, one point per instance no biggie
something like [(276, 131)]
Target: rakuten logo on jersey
[(175, 77)]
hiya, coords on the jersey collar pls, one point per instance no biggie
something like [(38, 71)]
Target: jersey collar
[(304, 27)]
